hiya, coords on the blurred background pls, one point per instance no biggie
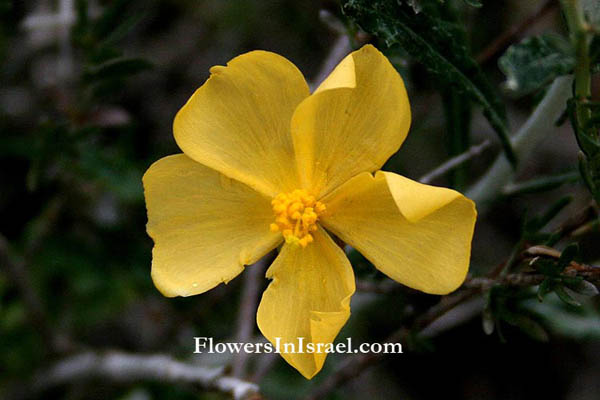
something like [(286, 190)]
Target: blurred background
[(88, 93)]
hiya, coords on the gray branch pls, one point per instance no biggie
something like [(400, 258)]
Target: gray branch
[(123, 367), (454, 162)]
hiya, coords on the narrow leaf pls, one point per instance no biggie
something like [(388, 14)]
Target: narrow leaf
[(440, 46), (565, 297)]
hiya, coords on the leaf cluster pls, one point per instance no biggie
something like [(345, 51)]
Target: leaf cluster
[(434, 38)]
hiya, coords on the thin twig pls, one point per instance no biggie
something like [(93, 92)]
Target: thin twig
[(247, 315), (341, 47), (508, 37), (123, 367), (454, 162)]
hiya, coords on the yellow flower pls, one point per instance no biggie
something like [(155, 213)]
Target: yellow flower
[(266, 162)]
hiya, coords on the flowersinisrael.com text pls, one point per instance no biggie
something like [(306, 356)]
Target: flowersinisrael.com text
[(207, 345)]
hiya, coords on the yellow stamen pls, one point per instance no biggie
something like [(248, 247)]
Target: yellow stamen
[(296, 215)]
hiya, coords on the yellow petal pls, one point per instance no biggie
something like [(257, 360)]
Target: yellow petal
[(353, 123), (205, 226), (416, 234), (238, 122), (309, 297)]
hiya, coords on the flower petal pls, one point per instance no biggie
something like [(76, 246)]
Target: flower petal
[(238, 122), (416, 234), (205, 226), (353, 123), (308, 298)]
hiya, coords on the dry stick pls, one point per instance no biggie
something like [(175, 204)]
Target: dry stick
[(454, 162), (124, 367), (504, 40), (247, 314)]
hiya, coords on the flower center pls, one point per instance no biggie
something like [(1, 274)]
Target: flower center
[(296, 216)]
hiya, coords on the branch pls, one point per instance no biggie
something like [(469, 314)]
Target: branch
[(533, 131), (504, 40), (341, 47), (247, 315), (123, 367), (454, 162), (451, 311)]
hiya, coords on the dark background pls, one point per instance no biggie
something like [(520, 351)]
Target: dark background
[(76, 137)]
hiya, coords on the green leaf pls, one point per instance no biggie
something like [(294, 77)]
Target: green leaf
[(106, 23), (540, 184), (117, 69), (565, 297), (567, 255), (577, 323), (536, 62), (584, 287), (545, 287), (440, 46), (487, 321), (595, 54), (474, 3), (553, 211), (527, 325), (457, 113)]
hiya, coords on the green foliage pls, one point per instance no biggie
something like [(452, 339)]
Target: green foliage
[(573, 322), (458, 121), (474, 3), (535, 62), (439, 45), (503, 305), (541, 184), (589, 142)]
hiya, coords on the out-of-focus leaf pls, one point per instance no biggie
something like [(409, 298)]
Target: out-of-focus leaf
[(532, 226), (595, 54), (458, 122), (439, 46), (118, 69), (577, 323), (474, 3), (568, 255), (527, 325), (591, 8), (487, 321), (544, 288), (584, 287), (540, 184), (566, 297), (535, 62), (554, 210), (106, 23)]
